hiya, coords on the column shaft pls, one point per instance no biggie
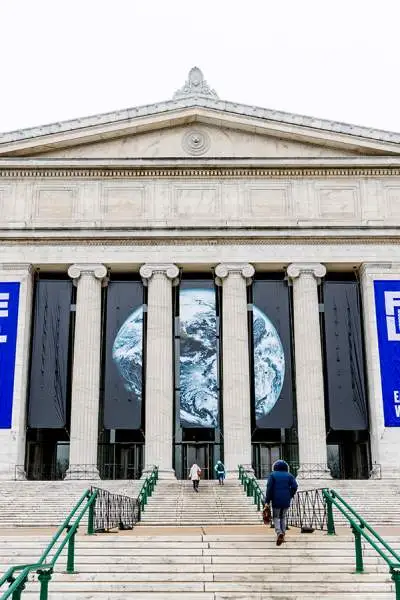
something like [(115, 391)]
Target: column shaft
[(159, 368), (309, 371), (86, 372), (236, 365)]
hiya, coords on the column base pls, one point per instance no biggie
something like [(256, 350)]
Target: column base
[(314, 471), (16, 473), (162, 473), (88, 472)]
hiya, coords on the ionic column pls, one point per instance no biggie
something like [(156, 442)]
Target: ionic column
[(86, 371), (309, 370), (159, 368), (384, 440), (12, 440), (236, 365)]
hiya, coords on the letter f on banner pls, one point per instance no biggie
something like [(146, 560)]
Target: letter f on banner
[(392, 309)]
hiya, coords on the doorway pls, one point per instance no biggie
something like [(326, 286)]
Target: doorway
[(264, 456), (198, 446)]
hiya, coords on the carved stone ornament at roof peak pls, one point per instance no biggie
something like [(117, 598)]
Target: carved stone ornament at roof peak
[(195, 86)]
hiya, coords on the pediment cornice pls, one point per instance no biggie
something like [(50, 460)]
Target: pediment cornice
[(379, 166), (196, 102)]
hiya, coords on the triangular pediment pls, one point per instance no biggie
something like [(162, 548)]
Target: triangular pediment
[(196, 140), (197, 124)]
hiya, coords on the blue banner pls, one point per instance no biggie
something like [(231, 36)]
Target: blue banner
[(9, 298), (387, 303)]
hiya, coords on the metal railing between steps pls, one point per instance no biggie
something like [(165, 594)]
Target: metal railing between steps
[(308, 509), (116, 511), (17, 576), (362, 529)]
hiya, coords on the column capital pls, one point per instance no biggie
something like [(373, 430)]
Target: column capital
[(98, 271), (296, 269), (246, 270), (170, 270)]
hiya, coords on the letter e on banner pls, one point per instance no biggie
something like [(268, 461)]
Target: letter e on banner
[(387, 307)]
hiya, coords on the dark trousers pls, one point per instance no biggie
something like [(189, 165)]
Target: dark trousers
[(195, 484)]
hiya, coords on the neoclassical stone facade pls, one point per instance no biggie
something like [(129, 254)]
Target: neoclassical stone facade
[(191, 185)]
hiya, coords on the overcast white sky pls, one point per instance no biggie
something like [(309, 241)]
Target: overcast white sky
[(325, 58)]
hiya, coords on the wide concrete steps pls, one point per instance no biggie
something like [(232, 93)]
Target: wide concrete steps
[(47, 503), (207, 566), (176, 503)]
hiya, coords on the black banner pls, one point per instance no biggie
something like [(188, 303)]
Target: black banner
[(198, 354), (347, 399), (123, 383), (49, 367), (272, 359)]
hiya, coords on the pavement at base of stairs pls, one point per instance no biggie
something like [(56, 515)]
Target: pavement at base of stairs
[(148, 530)]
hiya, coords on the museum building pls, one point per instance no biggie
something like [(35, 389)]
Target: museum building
[(196, 280)]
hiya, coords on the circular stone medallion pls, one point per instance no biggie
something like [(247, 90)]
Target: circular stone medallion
[(196, 142)]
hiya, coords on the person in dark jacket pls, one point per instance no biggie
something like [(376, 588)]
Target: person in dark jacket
[(281, 487)]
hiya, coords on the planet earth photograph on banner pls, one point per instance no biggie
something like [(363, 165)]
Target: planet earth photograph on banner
[(269, 364), (198, 361), (199, 386), (127, 352)]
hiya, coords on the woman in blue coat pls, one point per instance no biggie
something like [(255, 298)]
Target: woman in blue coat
[(281, 487)]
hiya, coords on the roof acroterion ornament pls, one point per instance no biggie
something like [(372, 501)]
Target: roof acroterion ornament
[(195, 86)]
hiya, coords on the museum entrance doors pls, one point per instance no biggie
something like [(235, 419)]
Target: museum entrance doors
[(197, 445), (264, 456)]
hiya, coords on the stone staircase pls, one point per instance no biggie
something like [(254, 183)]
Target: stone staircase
[(47, 503), (176, 503), (375, 500), (206, 564)]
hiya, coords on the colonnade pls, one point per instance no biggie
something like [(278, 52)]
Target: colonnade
[(234, 278)]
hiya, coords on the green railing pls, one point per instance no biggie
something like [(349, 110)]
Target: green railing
[(147, 489), (361, 528), (17, 576), (251, 487)]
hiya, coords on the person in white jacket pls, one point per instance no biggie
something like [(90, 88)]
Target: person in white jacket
[(194, 475)]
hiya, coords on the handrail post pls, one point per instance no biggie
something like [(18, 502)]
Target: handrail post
[(44, 576), (358, 549), (18, 591), (330, 519), (395, 572), (250, 488), (71, 554), (90, 527)]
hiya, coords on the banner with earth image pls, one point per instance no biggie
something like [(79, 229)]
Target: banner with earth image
[(198, 354), (272, 357), (123, 375)]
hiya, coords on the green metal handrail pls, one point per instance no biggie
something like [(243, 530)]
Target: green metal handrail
[(146, 491), (362, 528), (42, 567), (251, 487)]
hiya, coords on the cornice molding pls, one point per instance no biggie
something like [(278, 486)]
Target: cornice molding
[(124, 242), (241, 173)]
